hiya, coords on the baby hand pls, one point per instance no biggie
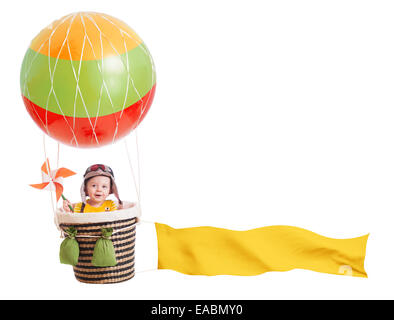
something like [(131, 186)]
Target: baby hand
[(66, 205)]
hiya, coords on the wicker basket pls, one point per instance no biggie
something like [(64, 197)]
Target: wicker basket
[(89, 227)]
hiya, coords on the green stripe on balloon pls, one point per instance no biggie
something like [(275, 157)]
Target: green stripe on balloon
[(99, 97)]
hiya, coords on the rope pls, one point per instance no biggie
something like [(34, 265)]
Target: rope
[(49, 173), (146, 221), (147, 270), (132, 172), (58, 154), (138, 163)]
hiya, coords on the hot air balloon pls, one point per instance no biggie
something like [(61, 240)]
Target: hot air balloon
[(88, 80)]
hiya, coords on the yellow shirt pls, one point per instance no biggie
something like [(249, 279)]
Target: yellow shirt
[(108, 205)]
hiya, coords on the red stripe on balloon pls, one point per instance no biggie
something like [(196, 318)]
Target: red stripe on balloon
[(66, 129)]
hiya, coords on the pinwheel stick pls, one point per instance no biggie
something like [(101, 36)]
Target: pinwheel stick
[(71, 208)]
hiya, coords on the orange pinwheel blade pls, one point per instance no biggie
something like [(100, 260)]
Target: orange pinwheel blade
[(64, 172), (46, 168), (59, 190), (39, 185)]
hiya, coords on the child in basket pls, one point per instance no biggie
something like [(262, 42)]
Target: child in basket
[(98, 184)]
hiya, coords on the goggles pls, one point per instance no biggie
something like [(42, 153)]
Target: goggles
[(101, 167)]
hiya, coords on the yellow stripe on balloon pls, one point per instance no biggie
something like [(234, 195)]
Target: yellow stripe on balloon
[(214, 251), (85, 36)]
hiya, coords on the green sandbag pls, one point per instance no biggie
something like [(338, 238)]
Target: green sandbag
[(69, 248), (104, 252)]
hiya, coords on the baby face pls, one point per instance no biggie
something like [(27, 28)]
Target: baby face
[(98, 189)]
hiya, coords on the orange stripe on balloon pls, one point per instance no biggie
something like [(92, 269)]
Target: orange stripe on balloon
[(86, 36)]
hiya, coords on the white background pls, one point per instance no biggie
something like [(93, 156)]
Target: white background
[(266, 112)]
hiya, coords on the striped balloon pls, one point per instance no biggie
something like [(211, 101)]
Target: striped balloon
[(87, 80)]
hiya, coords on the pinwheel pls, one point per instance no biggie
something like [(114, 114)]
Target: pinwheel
[(53, 180)]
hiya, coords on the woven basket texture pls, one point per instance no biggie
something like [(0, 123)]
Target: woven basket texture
[(123, 239)]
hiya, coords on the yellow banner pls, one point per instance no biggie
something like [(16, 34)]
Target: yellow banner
[(214, 251)]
